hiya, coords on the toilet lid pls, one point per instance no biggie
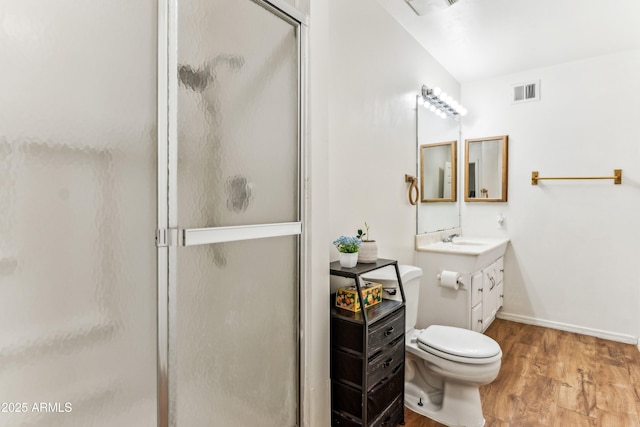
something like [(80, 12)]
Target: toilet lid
[(459, 342)]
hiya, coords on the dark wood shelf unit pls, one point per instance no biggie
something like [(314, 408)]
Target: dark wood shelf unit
[(367, 356)]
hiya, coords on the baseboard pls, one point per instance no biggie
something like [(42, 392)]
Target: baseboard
[(612, 336)]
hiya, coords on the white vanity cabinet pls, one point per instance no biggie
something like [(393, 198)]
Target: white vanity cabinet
[(476, 301), (487, 295)]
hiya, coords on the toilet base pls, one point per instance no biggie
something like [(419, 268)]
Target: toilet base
[(458, 406), (448, 402)]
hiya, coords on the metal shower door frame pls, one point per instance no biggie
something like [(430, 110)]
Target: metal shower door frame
[(169, 237)]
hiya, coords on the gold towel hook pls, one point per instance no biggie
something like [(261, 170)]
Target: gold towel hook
[(413, 188)]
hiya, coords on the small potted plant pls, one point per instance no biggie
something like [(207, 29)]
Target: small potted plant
[(369, 248), (348, 248)]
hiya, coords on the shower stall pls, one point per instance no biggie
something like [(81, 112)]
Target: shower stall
[(151, 197)]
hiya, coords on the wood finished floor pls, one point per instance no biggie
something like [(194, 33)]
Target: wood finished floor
[(557, 378)]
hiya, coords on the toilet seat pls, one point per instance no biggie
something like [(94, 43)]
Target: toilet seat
[(459, 345)]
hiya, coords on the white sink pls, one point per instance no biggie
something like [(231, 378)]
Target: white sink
[(467, 242), (468, 254)]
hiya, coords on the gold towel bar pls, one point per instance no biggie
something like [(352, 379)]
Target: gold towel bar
[(617, 177)]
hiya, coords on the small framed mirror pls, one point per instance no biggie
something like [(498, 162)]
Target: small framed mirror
[(438, 172), (485, 168)]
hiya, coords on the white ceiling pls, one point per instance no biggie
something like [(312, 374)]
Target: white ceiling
[(477, 39)]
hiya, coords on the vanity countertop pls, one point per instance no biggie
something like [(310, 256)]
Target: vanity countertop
[(466, 245), (464, 254)]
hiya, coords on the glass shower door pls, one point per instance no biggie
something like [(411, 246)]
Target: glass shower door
[(235, 203)]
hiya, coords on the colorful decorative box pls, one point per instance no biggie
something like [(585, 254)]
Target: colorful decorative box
[(347, 298)]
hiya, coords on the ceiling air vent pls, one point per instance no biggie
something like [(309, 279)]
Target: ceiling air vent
[(525, 92)]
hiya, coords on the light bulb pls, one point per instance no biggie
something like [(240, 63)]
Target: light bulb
[(463, 111), (420, 100), (443, 95), (437, 91), (448, 99), (432, 108)]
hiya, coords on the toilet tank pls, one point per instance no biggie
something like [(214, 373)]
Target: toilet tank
[(410, 276)]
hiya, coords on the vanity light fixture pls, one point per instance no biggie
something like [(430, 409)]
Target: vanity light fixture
[(440, 103)]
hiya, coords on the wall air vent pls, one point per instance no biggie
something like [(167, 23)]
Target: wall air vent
[(425, 7), (525, 92)]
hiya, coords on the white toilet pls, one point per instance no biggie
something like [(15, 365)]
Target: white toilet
[(444, 365)]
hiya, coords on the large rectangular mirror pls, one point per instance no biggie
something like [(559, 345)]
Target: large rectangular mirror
[(438, 172), (431, 131), (485, 168)]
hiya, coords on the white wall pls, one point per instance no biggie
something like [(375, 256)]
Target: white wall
[(376, 69), (573, 243), (364, 73), (316, 393)]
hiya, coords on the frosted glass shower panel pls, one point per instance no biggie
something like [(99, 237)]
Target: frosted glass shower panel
[(236, 348), (238, 68), (78, 213)]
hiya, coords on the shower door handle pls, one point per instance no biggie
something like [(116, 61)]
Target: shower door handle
[(206, 236)]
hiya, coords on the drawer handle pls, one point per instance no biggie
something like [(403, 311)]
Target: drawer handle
[(388, 331), (396, 369), (386, 420), (387, 362)]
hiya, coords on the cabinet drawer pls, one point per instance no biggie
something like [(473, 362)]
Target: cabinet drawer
[(348, 399), (346, 334), (348, 367), (383, 393), (381, 365), (389, 418), (343, 420), (386, 331), (392, 415)]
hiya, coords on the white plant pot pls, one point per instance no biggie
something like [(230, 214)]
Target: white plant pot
[(368, 252), (348, 260)]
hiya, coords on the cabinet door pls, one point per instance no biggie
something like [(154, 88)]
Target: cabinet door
[(499, 269), (500, 296), (476, 288), (476, 318), (489, 301)]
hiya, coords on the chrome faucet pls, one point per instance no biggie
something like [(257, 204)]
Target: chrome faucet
[(450, 238)]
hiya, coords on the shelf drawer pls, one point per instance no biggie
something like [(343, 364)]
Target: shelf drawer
[(392, 415), (349, 399), (381, 366), (346, 334), (389, 418), (348, 367), (386, 331), (343, 420)]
